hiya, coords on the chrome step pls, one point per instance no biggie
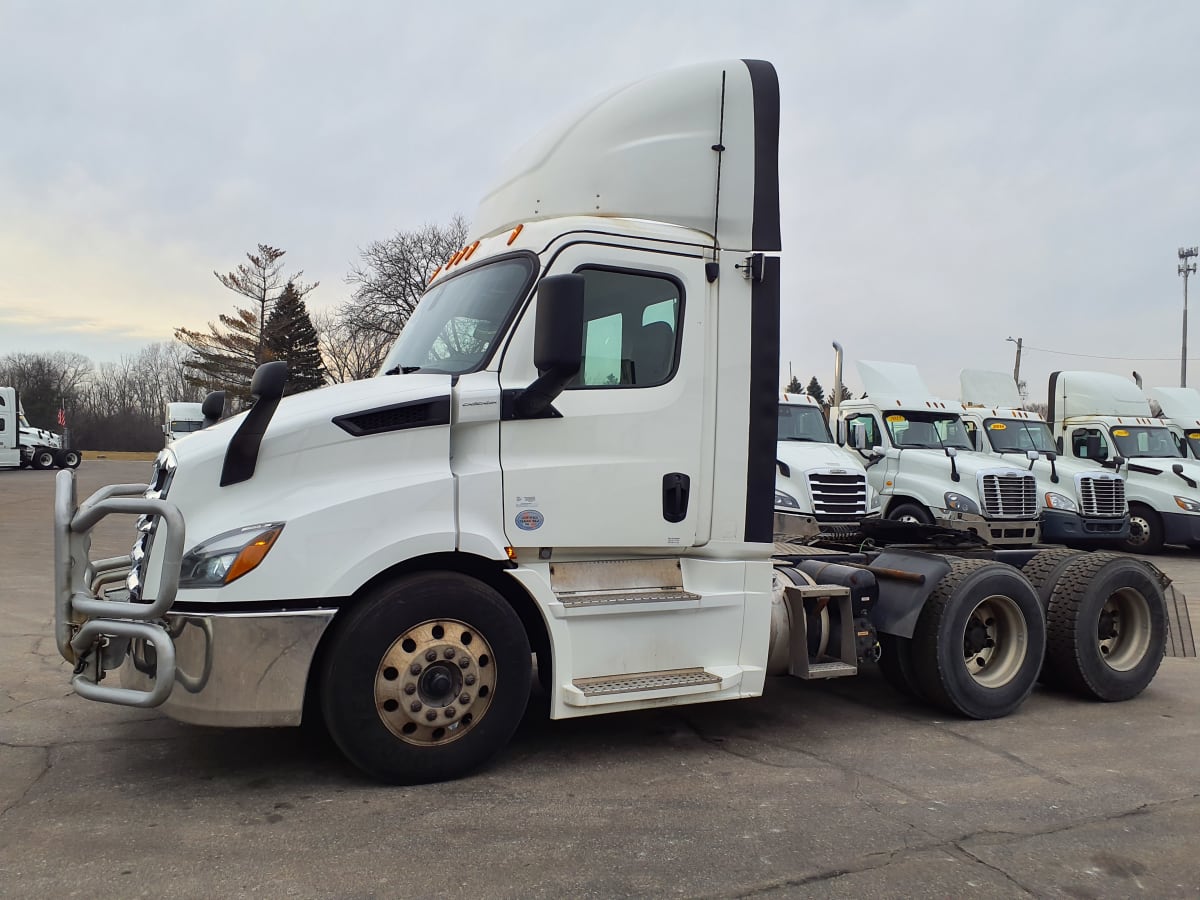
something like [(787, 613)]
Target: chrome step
[(644, 681), (614, 598), (835, 669)]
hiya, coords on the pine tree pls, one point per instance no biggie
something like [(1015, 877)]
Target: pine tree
[(225, 358), (289, 335), (815, 390), (794, 386)]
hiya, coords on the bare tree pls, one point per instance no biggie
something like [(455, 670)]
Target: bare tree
[(350, 353), (45, 380), (262, 281), (392, 274)]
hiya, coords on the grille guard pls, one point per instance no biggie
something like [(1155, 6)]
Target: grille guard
[(86, 622)]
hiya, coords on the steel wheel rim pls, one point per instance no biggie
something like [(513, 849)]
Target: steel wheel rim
[(1139, 531), (1123, 629), (435, 682), (995, 641), (910, 519)]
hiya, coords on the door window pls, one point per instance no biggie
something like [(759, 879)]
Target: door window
[(867, 421), (1089, 443)]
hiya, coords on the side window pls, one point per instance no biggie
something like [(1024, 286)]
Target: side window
[(1089, 443), (631, 329), (972, 432), (867, 421)]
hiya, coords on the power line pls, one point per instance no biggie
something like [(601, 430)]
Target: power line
[(1098, 356)]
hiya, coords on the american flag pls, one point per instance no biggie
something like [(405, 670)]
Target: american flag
[(62, 417)]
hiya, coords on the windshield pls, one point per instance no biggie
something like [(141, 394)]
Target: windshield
[(456, 324), (930, 430), (179, 426), (803, 423), (1135, 441), (1018, 435), (1192, 437)]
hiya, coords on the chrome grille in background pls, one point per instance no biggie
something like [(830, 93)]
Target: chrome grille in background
[(1101, 495), (1009, 496), (837, 495), (160, 482)]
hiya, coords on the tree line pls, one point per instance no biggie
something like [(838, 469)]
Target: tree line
[(120, 405)]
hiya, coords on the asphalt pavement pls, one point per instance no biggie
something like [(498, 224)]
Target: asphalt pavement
[(830, 789)]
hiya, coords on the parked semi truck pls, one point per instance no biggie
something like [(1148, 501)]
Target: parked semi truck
[(181, 419), (923, 465), (1106, 420), (1080, 504), (26, 447), (569, 456), (1179, 409)]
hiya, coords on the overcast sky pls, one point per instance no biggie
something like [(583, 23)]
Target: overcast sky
[(952, 173)]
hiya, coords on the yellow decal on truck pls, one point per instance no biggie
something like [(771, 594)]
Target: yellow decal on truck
[(896, 419), (997, 426), (1120, 432)]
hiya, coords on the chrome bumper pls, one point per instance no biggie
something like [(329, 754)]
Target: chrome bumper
[(244, 668)]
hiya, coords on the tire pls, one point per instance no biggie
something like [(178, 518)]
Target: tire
[(463, 640), (67, 459), (896, 664), (1106, 627), (1145, 530), (978, 644), (43, 458), (1043, 572), (910, 512)]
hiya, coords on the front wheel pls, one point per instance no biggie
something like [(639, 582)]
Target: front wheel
[(1145, 530), (914, 513), (43, 458), (426, 679), (979, 641)]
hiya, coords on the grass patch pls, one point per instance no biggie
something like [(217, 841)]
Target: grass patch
[(146, 455)]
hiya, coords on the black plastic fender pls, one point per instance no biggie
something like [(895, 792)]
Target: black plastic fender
[(902, 599)]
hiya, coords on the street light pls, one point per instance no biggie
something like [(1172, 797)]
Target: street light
[(1017, 363), (1185, 268)]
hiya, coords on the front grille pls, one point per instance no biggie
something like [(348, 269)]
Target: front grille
[(1009, 496), (160, 482), (837, 495), (1100, 496)]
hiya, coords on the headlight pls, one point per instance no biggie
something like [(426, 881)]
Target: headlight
[(1187, 504), (959, 503), (782, 499), (1060, 501), (227, 557), (873, 503)]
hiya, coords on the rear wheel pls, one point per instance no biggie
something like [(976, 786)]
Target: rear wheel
[(978, 644), (1145, 530), (43, 458), (67, 459), (426, 679), (914, 513), (1107, 627)]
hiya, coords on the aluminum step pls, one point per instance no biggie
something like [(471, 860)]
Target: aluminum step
[(835, 669), (644, 681), (616, 598)]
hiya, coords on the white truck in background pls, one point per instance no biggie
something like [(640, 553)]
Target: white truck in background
[(181, 420), (542, 470), (1106, 420), (1080, 504), (1179, 409), (26, 447), (923, 464), (818, 484)]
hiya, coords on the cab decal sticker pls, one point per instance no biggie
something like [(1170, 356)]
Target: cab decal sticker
[(1120, 432), (998, 426), (896, 419), (1194, 435), (529, 520)]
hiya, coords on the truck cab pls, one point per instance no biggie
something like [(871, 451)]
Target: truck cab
[(181, 419), (924, 466), (24, 446), (818, 484), (1180, 413), (1080, 504), (1105, 420)]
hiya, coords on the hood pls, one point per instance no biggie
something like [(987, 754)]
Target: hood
[(802, 455)]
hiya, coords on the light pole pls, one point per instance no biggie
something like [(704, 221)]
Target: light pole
[(1185, 268), (1017, 362)]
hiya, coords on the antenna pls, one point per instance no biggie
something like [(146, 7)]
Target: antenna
[(719, 149)]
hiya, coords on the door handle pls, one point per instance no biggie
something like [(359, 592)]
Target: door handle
[(676, 487)]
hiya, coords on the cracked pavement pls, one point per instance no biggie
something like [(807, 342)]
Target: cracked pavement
[(835, 789)]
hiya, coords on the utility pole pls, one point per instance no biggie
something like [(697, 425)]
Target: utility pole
[(1185, 268), (1017, 363)]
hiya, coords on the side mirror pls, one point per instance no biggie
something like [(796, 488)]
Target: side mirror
[(268, 380), (212, 408), (858, 436), (952, 452), (1051, 455), (1177, 468), (557, 342), (1032, 455)]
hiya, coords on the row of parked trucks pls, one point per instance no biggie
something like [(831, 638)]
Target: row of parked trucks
[(564, 473)]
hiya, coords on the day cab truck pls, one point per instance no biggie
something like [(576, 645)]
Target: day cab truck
[(25, 447), (181, 419), (1106, 420), (1080, 503), (819, 486), (923, 465), (569, 455), (1180, 412)]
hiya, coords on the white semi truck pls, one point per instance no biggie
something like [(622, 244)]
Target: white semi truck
[(1106, 420), (818, 485), (1080, 503), (923, 464), (1180, 413), (26, 447), (570, 455), (181, 419)]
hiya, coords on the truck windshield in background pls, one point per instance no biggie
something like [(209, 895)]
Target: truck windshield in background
[(185, 426), (803, 423), (1018, 436), (455, 325), (1134, 441), (914, 429)]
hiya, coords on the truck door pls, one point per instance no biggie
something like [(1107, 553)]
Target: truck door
[(618, 464)]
